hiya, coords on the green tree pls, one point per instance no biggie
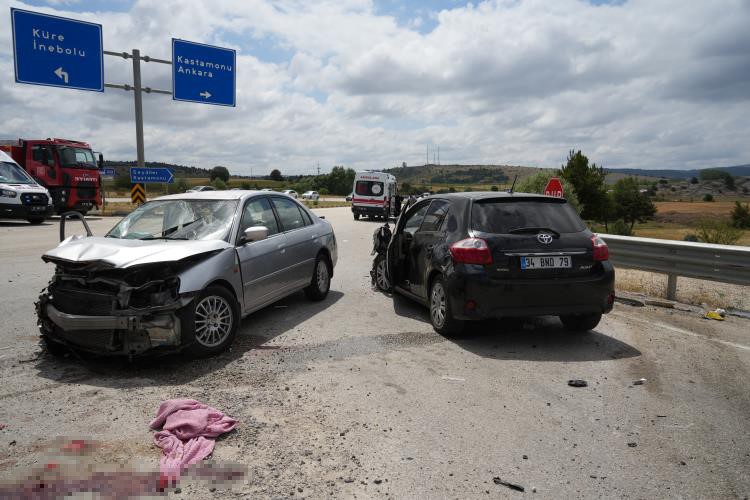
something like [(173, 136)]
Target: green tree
[(741, 215), (219, 184), (630, 204), (693, 180), (588, 184), (729, 182), (708, 197), (493, 188), (339, 181), (276, 175), (220, 172)]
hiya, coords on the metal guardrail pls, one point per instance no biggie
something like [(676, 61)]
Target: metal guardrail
[(723, 263)]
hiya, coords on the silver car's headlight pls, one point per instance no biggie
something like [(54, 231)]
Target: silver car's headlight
[(7, 193)]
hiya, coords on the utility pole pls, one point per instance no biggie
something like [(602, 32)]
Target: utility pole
[(427, 155), (438, 154), (318, 168)]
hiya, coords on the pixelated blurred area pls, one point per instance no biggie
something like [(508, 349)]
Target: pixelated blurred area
[(72, 466)]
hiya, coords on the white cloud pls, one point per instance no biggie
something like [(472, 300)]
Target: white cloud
[(640, 84)]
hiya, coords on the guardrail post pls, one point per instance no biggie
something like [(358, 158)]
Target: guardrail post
[(671, 286)]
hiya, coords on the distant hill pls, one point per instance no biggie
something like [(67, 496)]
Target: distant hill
[(430, 174), (736, 171)]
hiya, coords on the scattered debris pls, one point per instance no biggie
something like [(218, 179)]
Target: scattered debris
[(512, 486), (378, 481), (632, 445), (453, 379), (525, 457), (2, 426), (640, 381), (577, 383), (714, 315)]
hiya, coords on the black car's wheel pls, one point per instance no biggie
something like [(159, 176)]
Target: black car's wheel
[(213, 322), (581, 322), (356, 216), (381, 276), (321, 279), (35, 220), (441, 316)]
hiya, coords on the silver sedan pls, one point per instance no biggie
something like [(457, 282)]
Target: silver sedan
[(181, 271)]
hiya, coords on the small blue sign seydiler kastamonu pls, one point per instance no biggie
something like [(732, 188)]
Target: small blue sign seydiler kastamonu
[(203, 73), (149, 175), (56, 51)]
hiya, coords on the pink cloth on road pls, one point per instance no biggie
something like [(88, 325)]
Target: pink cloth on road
[(188, 428)]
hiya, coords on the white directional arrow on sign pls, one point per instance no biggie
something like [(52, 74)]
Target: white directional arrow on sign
[(62, 74), (205, 94)]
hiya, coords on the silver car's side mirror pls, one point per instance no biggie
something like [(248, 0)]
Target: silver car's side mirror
[(255, 233)]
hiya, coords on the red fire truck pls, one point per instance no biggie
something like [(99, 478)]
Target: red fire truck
[(68, 169)]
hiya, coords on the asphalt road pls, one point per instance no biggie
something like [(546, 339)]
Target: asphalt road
[(358, 397)]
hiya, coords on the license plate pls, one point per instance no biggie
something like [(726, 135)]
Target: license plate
[(38, 208), (554, 262)]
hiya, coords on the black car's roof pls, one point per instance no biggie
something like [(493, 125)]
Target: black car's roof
[(483, 195)]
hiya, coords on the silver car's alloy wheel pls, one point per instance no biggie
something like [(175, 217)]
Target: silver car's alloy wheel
[(380, 276), (213, 321), (437, 305), (321, 276)]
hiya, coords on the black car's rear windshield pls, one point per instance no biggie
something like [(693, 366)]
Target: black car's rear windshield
[(502, 216)]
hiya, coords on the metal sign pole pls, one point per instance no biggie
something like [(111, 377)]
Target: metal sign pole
[(138, 107), (138, 94)]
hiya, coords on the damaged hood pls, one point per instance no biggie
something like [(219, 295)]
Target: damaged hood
[(122, 253)]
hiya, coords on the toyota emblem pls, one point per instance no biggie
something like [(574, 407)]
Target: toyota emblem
[(545, 238)]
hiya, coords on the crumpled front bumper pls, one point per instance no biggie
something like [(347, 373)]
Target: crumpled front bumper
[(130, 333)]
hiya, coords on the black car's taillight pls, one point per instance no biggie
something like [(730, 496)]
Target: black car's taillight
[(471, 251), (601, 250)]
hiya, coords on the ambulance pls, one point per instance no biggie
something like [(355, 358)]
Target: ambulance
[(20, 195), (374, 195)]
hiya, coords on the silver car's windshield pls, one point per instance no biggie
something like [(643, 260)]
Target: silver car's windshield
[(178, 220), (10, 173)]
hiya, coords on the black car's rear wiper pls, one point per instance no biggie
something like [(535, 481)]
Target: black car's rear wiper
[(533, 229)]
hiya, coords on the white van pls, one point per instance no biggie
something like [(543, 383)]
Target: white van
[(374, 195), (20, 195)]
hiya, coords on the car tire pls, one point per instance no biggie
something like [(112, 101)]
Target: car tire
[(35, 220), (212, 321), (380, 274), (356, 216), (441, 315), (581, 322), (320, 284)]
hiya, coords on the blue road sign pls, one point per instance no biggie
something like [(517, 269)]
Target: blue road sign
[(149, 175), (108, 172), (57, 52), (203, 73)]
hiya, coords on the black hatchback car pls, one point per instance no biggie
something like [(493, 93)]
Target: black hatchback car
[(471, 256)]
